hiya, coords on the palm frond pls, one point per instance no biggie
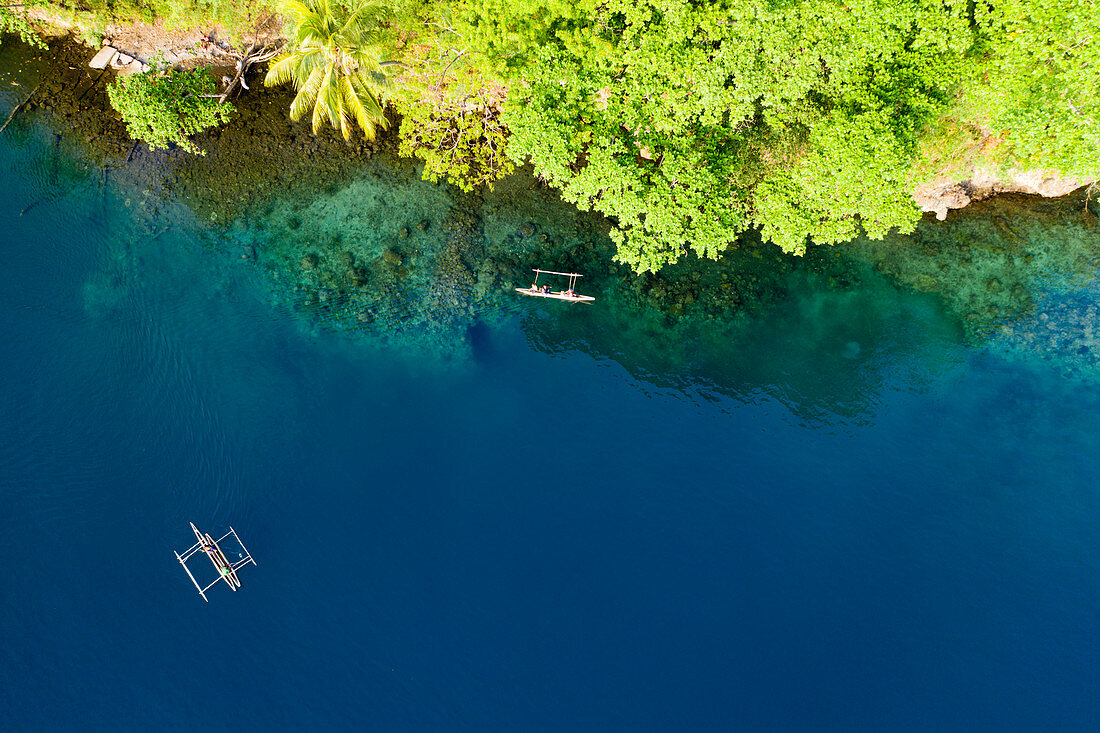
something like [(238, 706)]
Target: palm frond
[(372, 105), (322, 109), (307, 94), (335, 63), (355, 108), (312, 28), (281, 71)]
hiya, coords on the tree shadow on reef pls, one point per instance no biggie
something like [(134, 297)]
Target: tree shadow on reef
[(820, 334)]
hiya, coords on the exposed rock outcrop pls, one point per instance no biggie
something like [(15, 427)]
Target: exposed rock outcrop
[(949, 193)]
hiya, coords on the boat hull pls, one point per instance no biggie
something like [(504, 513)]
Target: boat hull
[(556, 296)]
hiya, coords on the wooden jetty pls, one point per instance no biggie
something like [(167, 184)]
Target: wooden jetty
[(209, 546)]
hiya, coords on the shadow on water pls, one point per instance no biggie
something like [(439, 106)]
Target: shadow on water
[(390, 261), (480, 337), (822, 350)]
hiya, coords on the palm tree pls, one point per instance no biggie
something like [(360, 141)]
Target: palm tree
[(335, 63)]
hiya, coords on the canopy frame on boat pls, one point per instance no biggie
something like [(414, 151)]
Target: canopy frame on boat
[(227, 570), (571, 275), (568, 295)]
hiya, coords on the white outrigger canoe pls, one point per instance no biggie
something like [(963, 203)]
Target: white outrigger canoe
[(569, 294), (221, 562), (226, 569)]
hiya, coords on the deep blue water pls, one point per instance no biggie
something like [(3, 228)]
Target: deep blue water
[(530, 538)]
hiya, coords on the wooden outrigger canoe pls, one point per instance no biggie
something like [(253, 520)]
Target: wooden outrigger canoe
[(556, 295), (226, 569), (568, 295), (221, 562)]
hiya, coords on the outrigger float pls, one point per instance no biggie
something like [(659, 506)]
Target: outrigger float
[(227, 570), (545, 291)]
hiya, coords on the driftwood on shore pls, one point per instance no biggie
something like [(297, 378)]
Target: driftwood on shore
[(256, 54)]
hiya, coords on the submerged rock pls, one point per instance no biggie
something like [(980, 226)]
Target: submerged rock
[(358, 276), (390, 257), (310, 261)]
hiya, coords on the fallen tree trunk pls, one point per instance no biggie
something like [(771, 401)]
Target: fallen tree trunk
[(252, 56)]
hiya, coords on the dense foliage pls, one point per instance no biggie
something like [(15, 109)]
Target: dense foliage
[(462, 140), (164, 109), (335, 63), (688, 123), (13, 20), (238, 17), (1039, 89)]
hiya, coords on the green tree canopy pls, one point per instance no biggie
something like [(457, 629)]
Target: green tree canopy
[(688, 123), (13, 19), (1038, 88), (165, 109)]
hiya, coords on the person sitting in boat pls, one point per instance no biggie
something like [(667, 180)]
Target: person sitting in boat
[(534, 288), (570, 293), (546, 289)]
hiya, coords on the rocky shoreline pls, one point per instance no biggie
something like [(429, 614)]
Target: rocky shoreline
[(943, 194)]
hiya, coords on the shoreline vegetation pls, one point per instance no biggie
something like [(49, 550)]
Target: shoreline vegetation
[(688, 126), (307, 210)]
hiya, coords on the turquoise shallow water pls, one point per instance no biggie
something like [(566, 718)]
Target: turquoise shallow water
[(843, 508)]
